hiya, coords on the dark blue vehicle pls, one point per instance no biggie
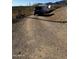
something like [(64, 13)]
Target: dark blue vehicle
[(42, 10)]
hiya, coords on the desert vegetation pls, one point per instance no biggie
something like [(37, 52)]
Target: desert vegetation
[(24, 11)]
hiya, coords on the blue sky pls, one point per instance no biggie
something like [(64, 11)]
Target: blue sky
[(27, 2)]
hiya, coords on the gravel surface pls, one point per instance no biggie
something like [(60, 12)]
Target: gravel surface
[(36, 38)]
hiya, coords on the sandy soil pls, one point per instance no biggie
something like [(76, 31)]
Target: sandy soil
[(38, 37)]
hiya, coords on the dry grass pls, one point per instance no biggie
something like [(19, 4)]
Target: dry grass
[(22, 9), (27, 9)]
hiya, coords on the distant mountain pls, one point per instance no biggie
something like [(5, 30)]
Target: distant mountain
[(61, 2), (57, 3), (51, 3)]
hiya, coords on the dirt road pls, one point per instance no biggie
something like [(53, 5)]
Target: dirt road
[(35, 37)]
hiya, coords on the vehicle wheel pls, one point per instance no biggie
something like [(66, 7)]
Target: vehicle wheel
[(34, 13)]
